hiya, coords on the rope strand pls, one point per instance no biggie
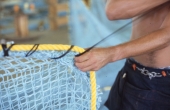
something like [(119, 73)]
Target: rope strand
[(64, 53), (32, 51)]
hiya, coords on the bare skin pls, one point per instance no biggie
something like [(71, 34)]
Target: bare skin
[(148, 24), (150, 40)]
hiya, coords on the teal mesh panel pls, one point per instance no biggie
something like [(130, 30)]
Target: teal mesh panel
[(89, 26), (38, 82)]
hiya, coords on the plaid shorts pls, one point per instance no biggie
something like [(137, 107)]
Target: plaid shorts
[(140, 88)]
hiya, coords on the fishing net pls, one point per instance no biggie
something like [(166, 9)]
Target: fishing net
[(35, 77), (89, 25)]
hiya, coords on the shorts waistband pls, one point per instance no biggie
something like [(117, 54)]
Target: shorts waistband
[(147, 71)]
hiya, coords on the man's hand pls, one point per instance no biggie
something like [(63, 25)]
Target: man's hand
[(94, 59)]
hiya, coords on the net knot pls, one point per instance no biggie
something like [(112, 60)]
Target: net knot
[(6, 49)]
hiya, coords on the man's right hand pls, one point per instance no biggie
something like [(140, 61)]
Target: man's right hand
[(93, 60)]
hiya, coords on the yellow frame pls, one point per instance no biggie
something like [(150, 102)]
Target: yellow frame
[(62, 47)]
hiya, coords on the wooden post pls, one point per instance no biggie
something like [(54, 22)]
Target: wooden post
[(21, 25), (87, 2), (53, 14)]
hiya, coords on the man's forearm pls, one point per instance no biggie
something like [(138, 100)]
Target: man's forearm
[(123, 9), (152, 42)]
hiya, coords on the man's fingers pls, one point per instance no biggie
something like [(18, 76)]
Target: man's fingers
[(84, 64), (82, 58), (88, 68)]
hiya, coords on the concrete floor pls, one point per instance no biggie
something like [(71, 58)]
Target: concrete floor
[(59, 36)]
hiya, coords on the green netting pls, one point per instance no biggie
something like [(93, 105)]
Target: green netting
[(38, 82)]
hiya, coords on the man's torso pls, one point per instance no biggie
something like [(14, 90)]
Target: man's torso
[(148, 23)]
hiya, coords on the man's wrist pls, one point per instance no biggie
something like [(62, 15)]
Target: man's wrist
[(114, 53)]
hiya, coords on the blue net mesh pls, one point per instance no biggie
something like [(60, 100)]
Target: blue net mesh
[(38, 82), (89, 25)]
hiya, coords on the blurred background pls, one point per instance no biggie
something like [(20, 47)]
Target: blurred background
[(73, 22), (34, 21)]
